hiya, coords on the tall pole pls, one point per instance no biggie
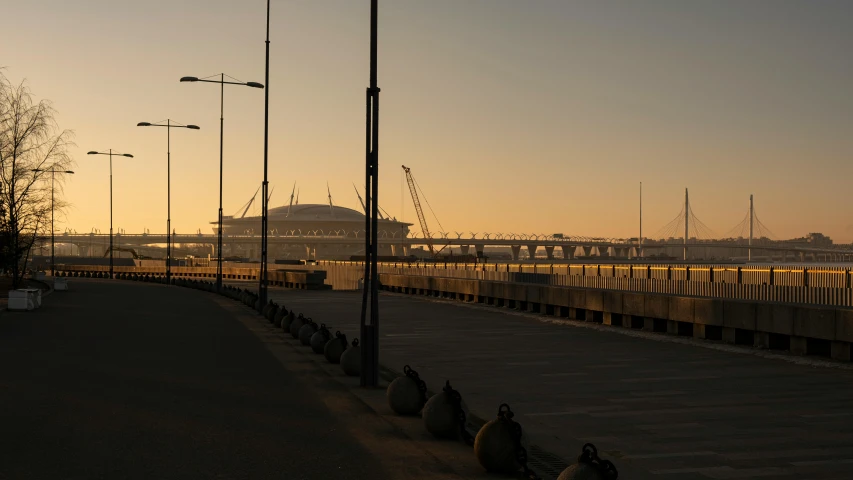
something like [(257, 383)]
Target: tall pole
[(640, 240), (370, 325), (751, 217), (111, 213), (168, 201), (262, 288), (686, 221), (52, 251), (221, 133)]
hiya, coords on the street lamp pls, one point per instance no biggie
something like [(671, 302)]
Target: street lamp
[(370, 324), (262, 277), (222, 83), (169, 126), (111, 153), (52, 249)]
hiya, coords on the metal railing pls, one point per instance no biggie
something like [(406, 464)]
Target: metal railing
[(770, 283)]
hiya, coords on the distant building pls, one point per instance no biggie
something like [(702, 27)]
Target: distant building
[(310, 220)]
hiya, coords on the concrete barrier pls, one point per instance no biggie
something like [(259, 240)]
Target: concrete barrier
[(800, 329)]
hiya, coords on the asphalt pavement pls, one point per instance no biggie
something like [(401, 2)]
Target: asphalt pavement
[(131, 380), (658, 406)]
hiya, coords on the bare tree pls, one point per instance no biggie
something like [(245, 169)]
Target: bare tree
[(30, 144)]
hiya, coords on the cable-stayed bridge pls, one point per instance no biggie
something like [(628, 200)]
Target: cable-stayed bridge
[(685, 237)]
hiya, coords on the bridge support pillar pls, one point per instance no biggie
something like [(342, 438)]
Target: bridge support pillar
[(603, 251), (405, 250), (479, 249), (531, 250), (394, 249), (464, 249), (516, 250), (587, 251), (549, 252), (568, 252)]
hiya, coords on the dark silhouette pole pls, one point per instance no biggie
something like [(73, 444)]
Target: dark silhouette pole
[(111, 153), (222, 83), (262, 277), (370, 324), (169, 126), (52, 190)]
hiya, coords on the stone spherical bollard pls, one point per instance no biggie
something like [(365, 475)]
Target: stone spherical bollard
[(256, 305), (442, 414), (334, 348), (498, 442), (305, 333), (296, 325), (287, 320), (580, 471), (351, 360), (279, 316), (590, 467), (272, 312), (319, 339), (407, 394)]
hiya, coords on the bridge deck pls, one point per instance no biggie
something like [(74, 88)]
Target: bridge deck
[(659, 407)]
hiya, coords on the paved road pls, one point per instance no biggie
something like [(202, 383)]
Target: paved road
[(131, 380), (659, 409)]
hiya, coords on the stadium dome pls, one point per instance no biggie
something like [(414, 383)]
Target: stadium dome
[(316, 222), (314, 212)]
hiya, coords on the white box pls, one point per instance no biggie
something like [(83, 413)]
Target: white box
[(21, 300), (35, 294)]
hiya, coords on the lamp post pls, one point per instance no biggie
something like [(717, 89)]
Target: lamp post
[(169, 126), (370, 324), (111, 153), (222, 83), (52, 248), (262, 277)]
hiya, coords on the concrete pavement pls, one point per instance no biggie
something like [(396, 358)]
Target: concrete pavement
[(659, 407), (132, 380)]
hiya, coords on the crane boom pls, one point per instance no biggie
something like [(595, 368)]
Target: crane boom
[(418, 209)]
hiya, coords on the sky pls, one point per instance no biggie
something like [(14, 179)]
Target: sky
[(523, 116)]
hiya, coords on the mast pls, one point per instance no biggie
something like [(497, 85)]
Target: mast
[(686, 221), (751, 218), (291, 200)]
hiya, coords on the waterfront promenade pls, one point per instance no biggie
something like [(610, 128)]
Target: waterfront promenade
[(140, 380), (143, 381), (659, 406)]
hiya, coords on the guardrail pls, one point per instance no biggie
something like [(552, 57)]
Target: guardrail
[(768, 283), (829, 286), (301, 279)]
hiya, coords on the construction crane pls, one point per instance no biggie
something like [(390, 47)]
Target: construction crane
[(413, 189)]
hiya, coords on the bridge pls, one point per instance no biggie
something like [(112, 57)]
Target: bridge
[(749, 238), (95, 244)]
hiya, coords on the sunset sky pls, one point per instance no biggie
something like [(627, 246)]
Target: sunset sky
[(535, 116)]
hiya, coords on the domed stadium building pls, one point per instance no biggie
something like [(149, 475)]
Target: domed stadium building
[(320, 230)]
